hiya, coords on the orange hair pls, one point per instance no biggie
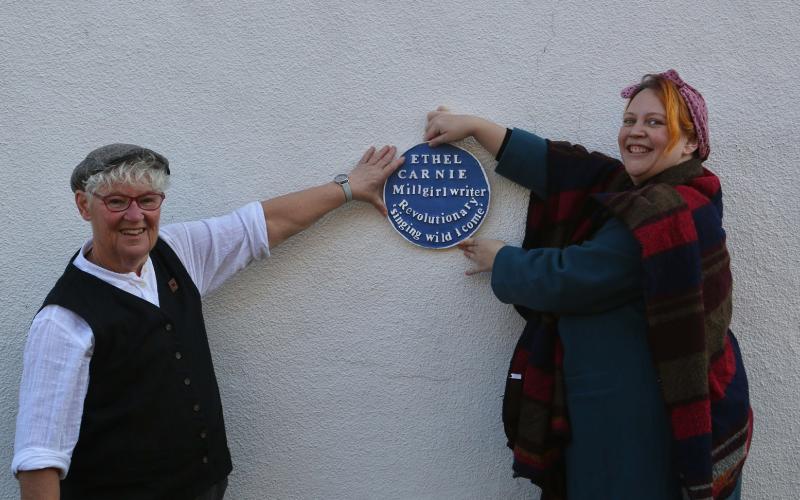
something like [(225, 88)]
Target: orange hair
[(678, 117)]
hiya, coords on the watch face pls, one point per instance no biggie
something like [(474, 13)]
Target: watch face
[(341, 178)]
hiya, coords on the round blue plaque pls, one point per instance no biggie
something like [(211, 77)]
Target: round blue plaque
[(438, 196)]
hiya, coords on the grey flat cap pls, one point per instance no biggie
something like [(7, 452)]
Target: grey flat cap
[(106, 157)]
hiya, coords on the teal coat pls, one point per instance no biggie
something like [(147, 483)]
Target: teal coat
[(620, 446)]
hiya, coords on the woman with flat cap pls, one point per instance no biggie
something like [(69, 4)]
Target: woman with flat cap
[(119, 398)]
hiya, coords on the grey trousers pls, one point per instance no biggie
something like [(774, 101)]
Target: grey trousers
[(216, 492)]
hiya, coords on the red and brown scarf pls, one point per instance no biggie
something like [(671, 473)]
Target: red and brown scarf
[(677, 219)]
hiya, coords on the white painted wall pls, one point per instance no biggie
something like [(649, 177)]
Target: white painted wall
[(353, 364)]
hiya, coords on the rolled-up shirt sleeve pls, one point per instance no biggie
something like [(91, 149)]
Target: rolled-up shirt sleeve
[(596, 275), (55, 378), (213, 250)]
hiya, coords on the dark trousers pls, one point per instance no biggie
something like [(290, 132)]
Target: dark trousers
[(216, 492)]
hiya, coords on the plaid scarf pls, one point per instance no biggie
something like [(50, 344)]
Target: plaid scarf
[(677, 219)]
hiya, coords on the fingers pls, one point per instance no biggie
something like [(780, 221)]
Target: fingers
[(392, 166), (381, 157), (439, 139), (367, 154), (433, 114), (469, 247), (434, 129), (431, 131), (438, 111), (467, 244), (435, 134), (442, 127), (388, 155), (377, 155), (368, 177)]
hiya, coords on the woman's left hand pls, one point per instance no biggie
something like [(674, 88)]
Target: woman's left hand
[(481, 252)]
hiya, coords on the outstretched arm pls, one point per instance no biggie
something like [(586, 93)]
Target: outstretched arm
[(444, 126), (597, 275), (40, 484), (292, 213)]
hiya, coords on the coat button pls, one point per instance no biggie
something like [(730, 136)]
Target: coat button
[(196, 407), (203, 434), (205, 460), (178, 355), (168, 327), (187, 381)]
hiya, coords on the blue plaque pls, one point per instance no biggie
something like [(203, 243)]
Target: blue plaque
[(438, 196)]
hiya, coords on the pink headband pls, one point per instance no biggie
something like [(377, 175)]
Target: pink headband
[(694, 101)]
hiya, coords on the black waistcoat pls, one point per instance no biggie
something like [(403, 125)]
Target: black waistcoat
[(152, 425)]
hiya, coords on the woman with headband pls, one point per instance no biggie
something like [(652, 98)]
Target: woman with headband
[(626, 382)]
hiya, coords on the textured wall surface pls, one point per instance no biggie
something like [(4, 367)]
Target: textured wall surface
[(353, 364)]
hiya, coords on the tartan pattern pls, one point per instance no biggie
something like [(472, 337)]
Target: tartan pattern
[(677, 218)]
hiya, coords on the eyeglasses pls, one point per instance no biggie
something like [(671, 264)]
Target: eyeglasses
[(120, 202)]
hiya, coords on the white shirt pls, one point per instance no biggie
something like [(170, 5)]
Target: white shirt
[(55, 373)]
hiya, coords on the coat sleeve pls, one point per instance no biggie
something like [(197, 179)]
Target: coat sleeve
[(597, 275), (551, 167), (524, 161)]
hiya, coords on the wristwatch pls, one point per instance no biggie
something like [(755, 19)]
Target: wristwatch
[(344, 181)]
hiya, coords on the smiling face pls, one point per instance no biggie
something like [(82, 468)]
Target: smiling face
[(644, 137), (121, 241)]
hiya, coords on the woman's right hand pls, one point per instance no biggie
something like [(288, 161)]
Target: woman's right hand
[(444, 126)]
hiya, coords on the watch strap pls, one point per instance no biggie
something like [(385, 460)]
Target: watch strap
[(348, 193), (344, 181)]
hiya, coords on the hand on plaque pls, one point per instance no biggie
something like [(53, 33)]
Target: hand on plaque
[(481, 252), (444, 126), (369, 175)]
